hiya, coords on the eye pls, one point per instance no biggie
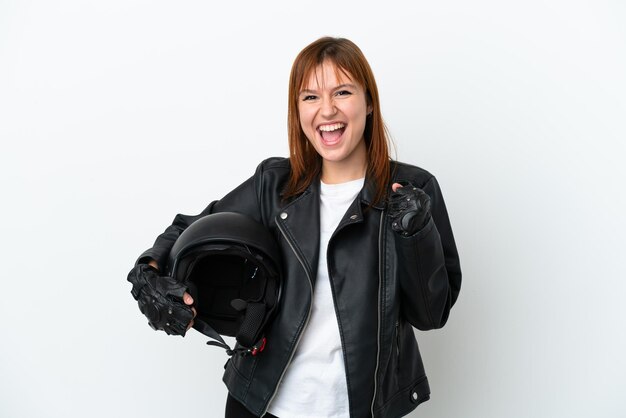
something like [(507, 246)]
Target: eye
[(308, 98), (343, 93)]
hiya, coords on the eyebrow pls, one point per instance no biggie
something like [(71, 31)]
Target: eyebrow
[(340, 86)]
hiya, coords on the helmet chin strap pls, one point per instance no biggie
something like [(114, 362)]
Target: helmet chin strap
[(201, 326)]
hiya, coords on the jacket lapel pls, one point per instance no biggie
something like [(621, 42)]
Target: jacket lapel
[(300, 223)]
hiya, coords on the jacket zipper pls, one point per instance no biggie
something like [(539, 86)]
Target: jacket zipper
[(380, 285), (308, 315), (398, 344)]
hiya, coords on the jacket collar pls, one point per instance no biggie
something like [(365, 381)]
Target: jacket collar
[(368, 193)]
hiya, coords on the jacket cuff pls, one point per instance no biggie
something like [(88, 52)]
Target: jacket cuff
[(152, 254)]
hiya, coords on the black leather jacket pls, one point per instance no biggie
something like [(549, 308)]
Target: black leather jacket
[(382, 283)]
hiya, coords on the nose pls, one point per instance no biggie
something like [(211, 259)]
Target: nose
[(328, 108)]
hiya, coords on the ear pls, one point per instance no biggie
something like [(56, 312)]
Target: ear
[(370, 109)]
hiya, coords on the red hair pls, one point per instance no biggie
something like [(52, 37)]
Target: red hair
[(306, 163)]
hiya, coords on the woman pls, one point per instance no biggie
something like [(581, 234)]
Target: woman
[(367, 250)]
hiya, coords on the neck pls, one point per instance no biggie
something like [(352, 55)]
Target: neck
[(334, 172), (353, 167)]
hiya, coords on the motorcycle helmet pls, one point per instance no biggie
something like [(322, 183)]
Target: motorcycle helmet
[(231, 266)]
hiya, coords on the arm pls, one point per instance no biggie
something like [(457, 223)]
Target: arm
[(163, 300), (157, 255), (428, 266), (244, 199)]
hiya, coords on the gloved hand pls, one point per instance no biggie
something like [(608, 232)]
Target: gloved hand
[(409, 209), (160, 299)]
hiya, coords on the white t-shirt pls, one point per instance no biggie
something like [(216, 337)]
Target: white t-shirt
[(314, 384)]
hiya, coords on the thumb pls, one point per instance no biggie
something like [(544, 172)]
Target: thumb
[(187, 299), (395, 187)]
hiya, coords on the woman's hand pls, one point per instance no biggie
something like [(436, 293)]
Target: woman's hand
[(163, 300), (186, 296), (189, 301), (409, 208)]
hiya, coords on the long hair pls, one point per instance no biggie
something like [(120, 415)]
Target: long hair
[(306, 163)]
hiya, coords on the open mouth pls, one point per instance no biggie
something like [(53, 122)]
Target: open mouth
[(331, 133)]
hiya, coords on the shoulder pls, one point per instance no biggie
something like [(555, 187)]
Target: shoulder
[(272, 173), (410, 173), (274, 164)]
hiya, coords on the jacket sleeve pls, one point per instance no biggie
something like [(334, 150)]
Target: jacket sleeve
[(244, 199), (429, 269)]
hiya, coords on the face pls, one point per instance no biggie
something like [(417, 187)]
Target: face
[(333, 110)]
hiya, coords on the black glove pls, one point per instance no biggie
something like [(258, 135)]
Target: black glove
[(160, 299), (409, 209)]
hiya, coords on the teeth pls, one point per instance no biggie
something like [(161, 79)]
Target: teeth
[(333, 127)]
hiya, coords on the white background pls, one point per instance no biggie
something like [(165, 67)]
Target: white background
[(116, 115)]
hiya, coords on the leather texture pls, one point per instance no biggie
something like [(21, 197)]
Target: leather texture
[(382, 282)]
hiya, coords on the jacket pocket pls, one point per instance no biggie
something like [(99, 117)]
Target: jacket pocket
[(243, 365)]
